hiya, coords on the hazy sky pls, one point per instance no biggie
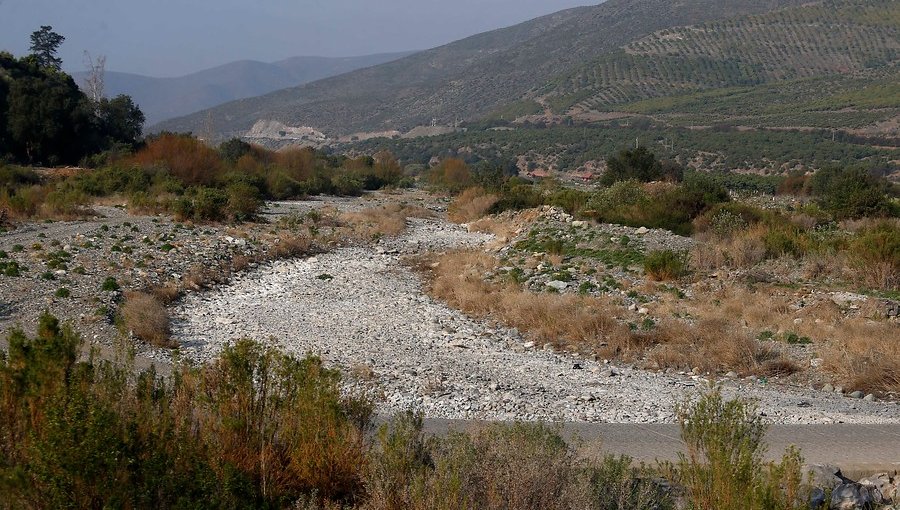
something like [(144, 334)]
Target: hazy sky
[(173, 37)]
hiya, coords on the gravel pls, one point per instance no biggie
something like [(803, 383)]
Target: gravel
[(362, 310)]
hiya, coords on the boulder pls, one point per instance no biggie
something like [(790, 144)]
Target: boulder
[(826, 476), (854, 496), (885, 484), (558, 285)]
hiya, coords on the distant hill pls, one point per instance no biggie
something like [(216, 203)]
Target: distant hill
[(800, 66), (471, 78), (165, 98)]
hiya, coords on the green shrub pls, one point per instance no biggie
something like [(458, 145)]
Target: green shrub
[(62, 292), (516, 195), (723, 468), (254, 429), (666, 265), (209, 204), (110, 284), (641, 165), (11, 268), (243, 201), (851, 192)]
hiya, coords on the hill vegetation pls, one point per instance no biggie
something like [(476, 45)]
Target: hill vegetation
[(468, 79), (828, 56)]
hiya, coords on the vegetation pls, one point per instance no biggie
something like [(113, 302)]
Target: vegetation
[(660, 73), (257, 428), (181, 175), (47, 120), (723, 468), (665, 265)]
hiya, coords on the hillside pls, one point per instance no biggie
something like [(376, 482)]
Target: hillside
[(166, 98), (791, 67), (467, 79)]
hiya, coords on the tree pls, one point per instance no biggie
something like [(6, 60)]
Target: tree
[(639, 164), (94, 81), (851, 192), (121, 120), (44, 45)]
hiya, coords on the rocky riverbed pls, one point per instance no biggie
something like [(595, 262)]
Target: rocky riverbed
[(362, 310)]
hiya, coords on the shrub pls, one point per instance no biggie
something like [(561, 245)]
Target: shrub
[(243, 201), (146, 317), (876, 253), (666, 264), (517, 195), (723, 468), (209, 204), (253, 429), (62, 292), (639, 164), (452, 175), (851, 192), (471, 205), (109, 284), (186, 158)]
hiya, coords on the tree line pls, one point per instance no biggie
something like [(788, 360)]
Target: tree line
[(45, 119)]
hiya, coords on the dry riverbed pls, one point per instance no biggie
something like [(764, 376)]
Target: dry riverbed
[(362, 309)]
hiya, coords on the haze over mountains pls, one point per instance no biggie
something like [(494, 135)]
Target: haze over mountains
[(611, 57), (165, 98), (469, 78)]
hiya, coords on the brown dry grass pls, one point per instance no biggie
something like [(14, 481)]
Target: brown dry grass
[(388, 220), (864, 356), (166, 294), (147, 318), (289, 246), (572, 322), (592, 325), (471, 205), (714, 345), (743, 250)]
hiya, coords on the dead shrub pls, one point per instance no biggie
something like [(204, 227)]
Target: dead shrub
[(712, 345), (167, 293), (863, 358), (186, 158), (388, 220), (146, 317), (289, 247), (471, 205), (566, 321)]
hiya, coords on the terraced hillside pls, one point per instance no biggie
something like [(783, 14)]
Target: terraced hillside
[(833, 55), (468, 79)]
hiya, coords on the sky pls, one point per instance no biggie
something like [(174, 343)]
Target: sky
[(175, 37)]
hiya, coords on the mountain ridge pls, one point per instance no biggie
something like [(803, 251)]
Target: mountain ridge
[(466, 79), (162, 98)]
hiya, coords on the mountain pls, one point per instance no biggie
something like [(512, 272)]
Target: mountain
[(165, 98), (468, 79), (799, 66)]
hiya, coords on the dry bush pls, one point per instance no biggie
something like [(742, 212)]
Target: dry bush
[(567, 321), (185, 157), (167, 293), (471, 205), (388, 220), (290, 247), (743, 250), (240, 263), (862, 356), (714, 345), (201, 277), (146, 317)]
